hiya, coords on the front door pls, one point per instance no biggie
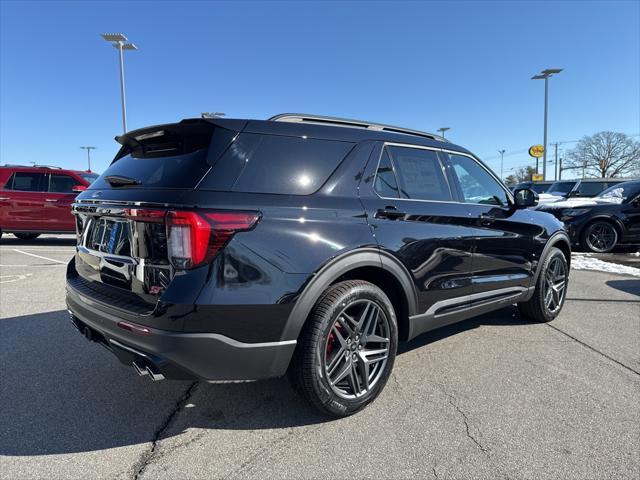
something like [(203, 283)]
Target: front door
[(503, 257), (412, 213)]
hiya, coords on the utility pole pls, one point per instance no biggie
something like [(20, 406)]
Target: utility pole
[(501, 152), (555, 163), (88, 149), (560, 171)]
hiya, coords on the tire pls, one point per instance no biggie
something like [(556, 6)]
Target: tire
[(27, 236), (599, 237), (353, 329), (544, 306)]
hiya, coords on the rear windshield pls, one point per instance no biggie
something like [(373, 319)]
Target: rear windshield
[(257, 163), (175, 156)]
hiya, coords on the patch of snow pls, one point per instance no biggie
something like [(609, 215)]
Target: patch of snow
[(586, 262)]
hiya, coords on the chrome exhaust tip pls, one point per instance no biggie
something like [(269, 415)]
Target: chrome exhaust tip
[(155, 376), (139, 370)]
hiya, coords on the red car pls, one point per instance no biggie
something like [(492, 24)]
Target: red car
[(37, 199)]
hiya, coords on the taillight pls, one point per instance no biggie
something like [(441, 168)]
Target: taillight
[(195, 238)]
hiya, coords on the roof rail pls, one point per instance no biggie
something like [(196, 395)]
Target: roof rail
[(346, 122), (33, 165)]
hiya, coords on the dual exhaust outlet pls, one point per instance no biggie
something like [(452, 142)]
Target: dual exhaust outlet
[(152, 371)]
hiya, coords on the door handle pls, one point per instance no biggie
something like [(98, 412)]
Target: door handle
[(389, 212), (51, 200), (2, 199)]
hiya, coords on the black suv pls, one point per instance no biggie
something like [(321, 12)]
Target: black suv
[(223, 249)]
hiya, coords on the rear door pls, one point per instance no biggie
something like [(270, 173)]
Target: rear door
[(57, 204), (502, 261), (411, 210), (22, 201)]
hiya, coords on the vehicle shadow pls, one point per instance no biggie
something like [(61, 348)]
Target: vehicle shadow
[(627, 286), (62, 394), (46, 240)]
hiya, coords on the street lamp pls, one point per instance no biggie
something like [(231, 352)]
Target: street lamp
[(118, 41), (501, 152), (544, 75), (88, 149), (443, 129)]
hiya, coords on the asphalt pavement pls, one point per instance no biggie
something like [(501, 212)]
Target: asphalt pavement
[(492, 397)]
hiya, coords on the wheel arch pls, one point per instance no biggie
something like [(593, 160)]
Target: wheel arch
[(369, 264), (560, 240)]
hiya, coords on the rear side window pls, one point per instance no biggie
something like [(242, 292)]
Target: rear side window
[(61, 183), (591, 189), (257, 163), (420, 174), (28, 182)]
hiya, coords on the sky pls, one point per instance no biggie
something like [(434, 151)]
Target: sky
[(466, 65)]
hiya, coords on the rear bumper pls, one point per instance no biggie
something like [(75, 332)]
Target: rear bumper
[(178, 355)]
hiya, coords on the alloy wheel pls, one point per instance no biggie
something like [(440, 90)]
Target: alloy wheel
[(602, 237), (555, 284), (356, 349)]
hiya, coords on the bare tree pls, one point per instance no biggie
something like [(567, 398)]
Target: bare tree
[(605, 154)]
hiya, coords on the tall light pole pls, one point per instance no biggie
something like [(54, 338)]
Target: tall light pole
[(442, 130), (88, 149), (118, 41), (544, 75), (501, 152)]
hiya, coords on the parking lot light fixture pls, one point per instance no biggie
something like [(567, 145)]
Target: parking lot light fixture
[(442, 130), (119, 41), (544, 75), (88, 149)]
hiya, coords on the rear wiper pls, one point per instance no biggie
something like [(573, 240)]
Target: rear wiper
[(120, 181)]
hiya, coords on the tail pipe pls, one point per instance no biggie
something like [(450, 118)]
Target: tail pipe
[(148, 369)]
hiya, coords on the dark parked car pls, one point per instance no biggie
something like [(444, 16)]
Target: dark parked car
[(600, 223), (538, 187), (222, 249), (581, 188), (37, 199)]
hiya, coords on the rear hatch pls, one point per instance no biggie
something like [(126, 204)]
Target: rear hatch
[(134, 232)]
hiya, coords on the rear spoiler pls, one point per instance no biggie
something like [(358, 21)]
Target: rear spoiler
[(182, 137)]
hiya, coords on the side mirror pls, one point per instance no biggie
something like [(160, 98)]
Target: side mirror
[(525, 198), (78, 188)]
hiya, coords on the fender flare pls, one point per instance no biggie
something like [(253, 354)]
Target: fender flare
[(338, 266), (558, 237)]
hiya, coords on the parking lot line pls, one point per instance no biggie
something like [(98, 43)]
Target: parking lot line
[(39, 256)]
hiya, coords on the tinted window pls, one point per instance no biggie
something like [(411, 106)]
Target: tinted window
[(591, 189), (386, 184), (175, 156), (89, 177), (28, 182), (561, 188), (476, 184), (277, 164), (61, 183), (419, 174), (539, 187)]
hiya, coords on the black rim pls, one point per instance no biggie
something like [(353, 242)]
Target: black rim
[(555, 284), (356, 349), (601, 237)]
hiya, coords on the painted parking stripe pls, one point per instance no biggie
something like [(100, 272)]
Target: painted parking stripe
[(13, 278), (40, 256)]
